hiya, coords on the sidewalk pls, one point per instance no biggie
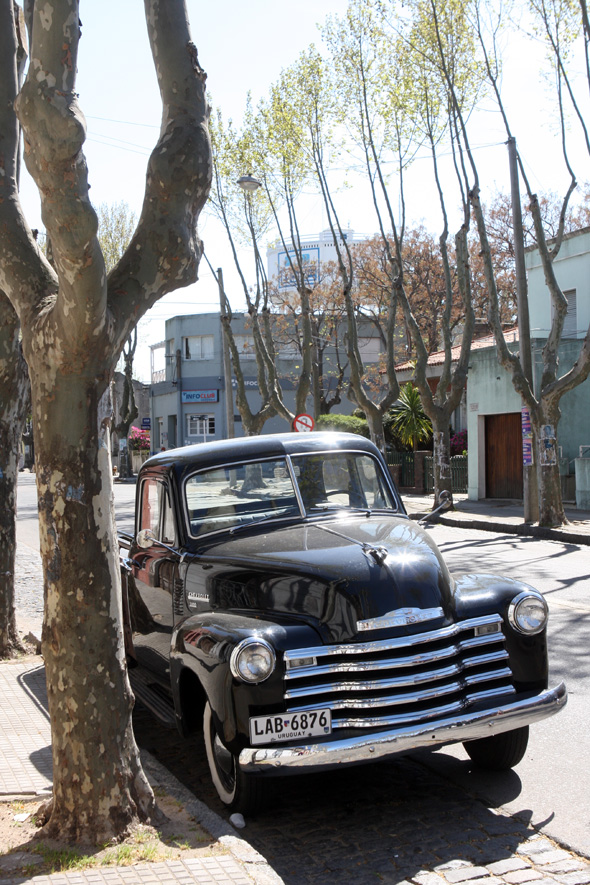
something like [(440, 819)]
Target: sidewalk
[(26, 773), (499, 515)]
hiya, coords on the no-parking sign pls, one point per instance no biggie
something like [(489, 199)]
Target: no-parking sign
[(303, 424)]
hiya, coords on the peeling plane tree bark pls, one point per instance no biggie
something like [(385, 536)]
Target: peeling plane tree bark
[(74, 323), (14, 388)]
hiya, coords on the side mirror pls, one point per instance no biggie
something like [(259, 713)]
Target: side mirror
[(145, 539), (445, 501)]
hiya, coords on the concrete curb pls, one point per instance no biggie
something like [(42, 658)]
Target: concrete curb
[(254, 863), (507, 528)]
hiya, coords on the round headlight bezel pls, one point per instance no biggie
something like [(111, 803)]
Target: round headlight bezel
[(515, 613), (245, 647)]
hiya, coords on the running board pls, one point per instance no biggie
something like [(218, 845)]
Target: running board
[(156, 703)]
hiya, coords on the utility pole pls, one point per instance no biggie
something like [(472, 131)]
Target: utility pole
[(529, 470), (227, 373)]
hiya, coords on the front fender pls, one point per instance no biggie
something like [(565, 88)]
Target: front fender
[(484, 594), (203, 644)]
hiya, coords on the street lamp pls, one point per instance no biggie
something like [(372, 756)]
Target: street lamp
[(248, 183)]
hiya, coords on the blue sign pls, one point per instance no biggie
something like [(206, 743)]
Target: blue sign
[(146, 423)]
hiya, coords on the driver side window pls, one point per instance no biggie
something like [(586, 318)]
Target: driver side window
[(156, 512)]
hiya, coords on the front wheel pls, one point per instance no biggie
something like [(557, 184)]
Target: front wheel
[(238, 791), (501, 751)]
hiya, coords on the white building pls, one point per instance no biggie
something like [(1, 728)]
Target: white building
[(315, 251)]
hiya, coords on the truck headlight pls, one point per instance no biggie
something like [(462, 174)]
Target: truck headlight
[(528, 612), (252, 660)]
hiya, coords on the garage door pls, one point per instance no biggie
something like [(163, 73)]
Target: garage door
[(503, 456)]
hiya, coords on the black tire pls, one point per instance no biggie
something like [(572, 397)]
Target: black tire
[(500, 752), (238, 791)]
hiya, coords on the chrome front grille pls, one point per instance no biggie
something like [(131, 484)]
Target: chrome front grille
[(405, 680)]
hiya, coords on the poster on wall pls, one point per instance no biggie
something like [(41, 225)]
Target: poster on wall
[(527, 436), (547, 446), (525, 417), (527, 452)]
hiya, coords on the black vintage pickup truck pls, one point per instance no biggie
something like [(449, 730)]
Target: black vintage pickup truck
[(278, 597)]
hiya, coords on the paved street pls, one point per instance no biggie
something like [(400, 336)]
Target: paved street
[(419, 818), (551, 786)]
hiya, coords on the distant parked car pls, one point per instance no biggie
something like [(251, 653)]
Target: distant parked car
[(278, 597)]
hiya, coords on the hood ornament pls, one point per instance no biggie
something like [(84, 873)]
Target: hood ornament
[(401, 617), (376, 551)]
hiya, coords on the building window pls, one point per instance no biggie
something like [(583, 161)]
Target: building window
[(288, 350), (200, 426), (570, 325), (370, 349), (245, 345), (197, 347)]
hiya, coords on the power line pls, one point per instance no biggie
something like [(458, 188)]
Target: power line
[(145, 152), (122, 122)]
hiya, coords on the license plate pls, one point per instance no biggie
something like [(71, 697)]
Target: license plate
[(290, 726)]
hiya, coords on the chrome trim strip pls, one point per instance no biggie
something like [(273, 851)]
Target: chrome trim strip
[(366, 748), (414, 697), (490, 693), (406, 719), (367, 648), (418, 659), (400, 681), (416, 718), (395, 700), (475, 678), (401, 617)]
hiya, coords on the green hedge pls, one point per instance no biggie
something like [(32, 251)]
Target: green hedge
[(344, 424)]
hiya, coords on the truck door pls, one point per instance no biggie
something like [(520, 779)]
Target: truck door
[(154, 580)]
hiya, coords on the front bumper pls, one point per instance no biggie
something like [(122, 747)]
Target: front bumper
[(277, 760)]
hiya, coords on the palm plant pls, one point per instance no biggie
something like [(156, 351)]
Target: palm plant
[(407, 418)]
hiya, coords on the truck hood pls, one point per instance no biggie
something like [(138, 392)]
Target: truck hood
[(349, 577)]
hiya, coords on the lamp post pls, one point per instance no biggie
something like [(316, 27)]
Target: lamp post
[(248, 183), (227, 373)]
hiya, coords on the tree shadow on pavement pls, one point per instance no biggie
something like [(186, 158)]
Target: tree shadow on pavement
[(387, 822)]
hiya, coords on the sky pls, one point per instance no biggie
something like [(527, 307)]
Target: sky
[(243, 46)]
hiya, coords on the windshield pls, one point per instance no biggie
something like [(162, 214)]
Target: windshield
[(349, 480), (242, 494)]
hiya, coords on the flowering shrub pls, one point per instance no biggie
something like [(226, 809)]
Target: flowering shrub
[(459, 443), (138, 440)]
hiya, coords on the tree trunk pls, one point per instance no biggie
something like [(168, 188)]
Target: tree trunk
[(87, 685), (13, 399), (545, 419), (551, 511), (441, 462), (74, 324), (375, 422)]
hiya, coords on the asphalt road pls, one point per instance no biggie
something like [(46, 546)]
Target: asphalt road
[(423, 794), (551, 786)]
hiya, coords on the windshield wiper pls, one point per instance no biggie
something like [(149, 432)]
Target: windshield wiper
[(326, 505), (289, 511)]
